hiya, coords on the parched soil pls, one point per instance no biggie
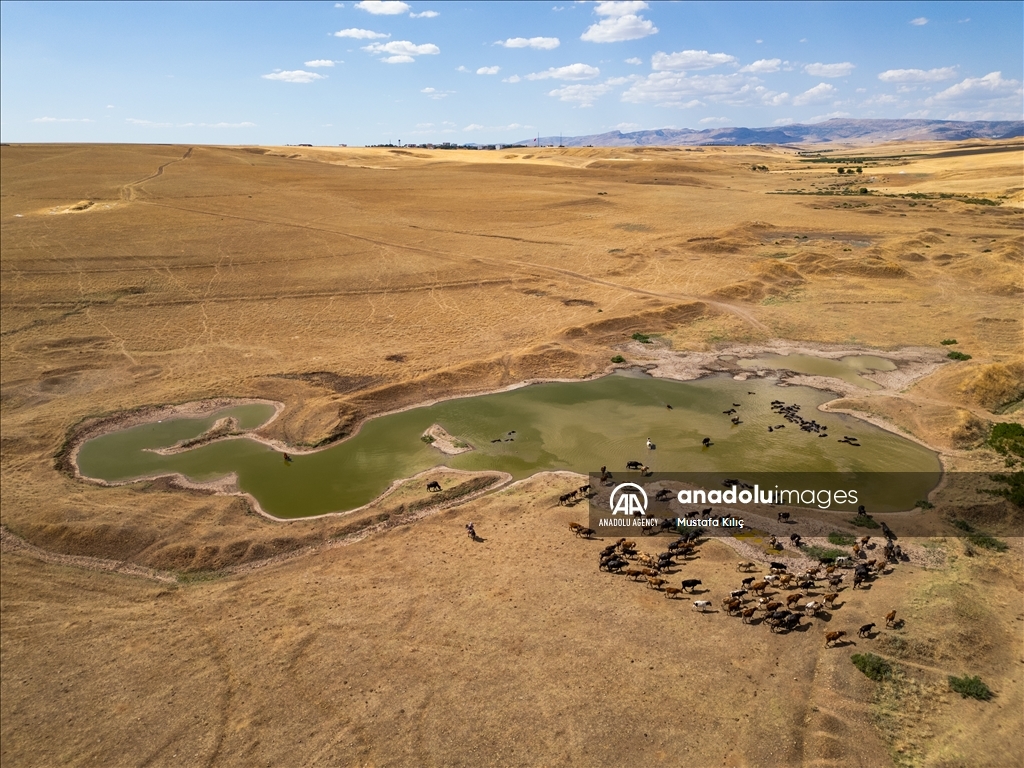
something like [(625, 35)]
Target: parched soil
[(134, 277)]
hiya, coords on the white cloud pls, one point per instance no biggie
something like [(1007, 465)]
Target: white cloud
[(294, 76), (228, 125), (434, 93), (988, 86), (582, 95), (620, 8), (783, 121), (759, 41), (473, 127), (570, 72), (635, 61), (626, 127), (917, 75), (882, 98), (360, 34), (147, 123), (920, 21), (819, 93), (488, 70), (763, 66), (619, 29), (621, 22), (401, 51), (773, 99), (424, 15), (688, 60), (428, 90), (673, 89), (64, 119), (830, 70), (512, 79), (110, 106), (382, 7), (829, 116), (320, 63), (461, 68), (712, 120), (541, 43)]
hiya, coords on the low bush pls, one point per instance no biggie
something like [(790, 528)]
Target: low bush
[(824, 553), (871, 665), (955, 355), (863, 521), (643, 338), (427, 438), (947, 342), (970, 686), (1007, 438), (841, 539), (618, 359)]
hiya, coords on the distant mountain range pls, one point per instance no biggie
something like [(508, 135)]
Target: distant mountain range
[(836, 130)]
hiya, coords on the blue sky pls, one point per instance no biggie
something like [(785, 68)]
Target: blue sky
[(374, 72)]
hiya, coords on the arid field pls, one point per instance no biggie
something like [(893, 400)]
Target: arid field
[(151, 625)]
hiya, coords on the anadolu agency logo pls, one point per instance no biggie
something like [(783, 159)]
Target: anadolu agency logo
[(628, 502)]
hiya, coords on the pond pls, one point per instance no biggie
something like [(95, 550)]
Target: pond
[(576, 426)]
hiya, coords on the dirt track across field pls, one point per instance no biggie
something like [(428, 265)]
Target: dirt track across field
[(346, 283)]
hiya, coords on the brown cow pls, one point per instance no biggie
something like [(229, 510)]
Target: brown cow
[(794, 598), (672, 591), (890, 618), (747, 613), (656, 583), (832, 637), (830, 598), (759, 586)]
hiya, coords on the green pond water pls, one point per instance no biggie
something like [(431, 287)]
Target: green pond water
[(848, 369), (576, 426)]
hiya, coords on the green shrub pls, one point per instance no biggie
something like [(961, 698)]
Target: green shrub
[(987, 542), (1014, 490), (824, 553), (947, 342), (643, 338), (970, 686), (841, 170), (978, 538), (954, 355), (871, 665), (923, 504), (841, 539), (428, 439), (863, 190), (863, 521), (618, 359), (1007, 438)]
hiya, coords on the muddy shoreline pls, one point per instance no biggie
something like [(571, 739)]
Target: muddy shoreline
[(911, 363)]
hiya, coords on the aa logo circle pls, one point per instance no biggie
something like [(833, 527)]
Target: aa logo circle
[(629, 499)]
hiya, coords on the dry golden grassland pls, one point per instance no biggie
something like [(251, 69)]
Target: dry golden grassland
[(350, 282)]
